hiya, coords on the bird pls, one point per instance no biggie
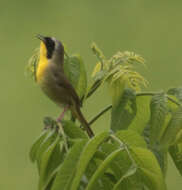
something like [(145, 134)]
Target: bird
[(52, 80)]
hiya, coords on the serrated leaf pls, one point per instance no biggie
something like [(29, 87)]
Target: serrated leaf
[(158, 107), (75, 71), (36, 145), (148, 173), (116, 90), (86, 155), (131, 138), (127, 57), (143, 114), (162, 158), (106, 183), (50, 138), (171, 105), (124, 111), (131, 182), (121, 162), (172, 108), (124, 163), (102, 168), (177, 92), (178, 137), (131, 171), (114, 166), (92, 166), (165, 124), (50, 160), (149, 169), (67, 170), (172, 129), (176, 154), (73, 131)]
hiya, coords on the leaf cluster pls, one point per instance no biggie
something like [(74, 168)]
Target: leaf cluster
[(68, 159), (145, 128)]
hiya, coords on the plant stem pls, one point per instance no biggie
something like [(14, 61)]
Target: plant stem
[(174, 101), (94, 88), (100, 114), (146, 94), (138, 94), (63, 135), (153, 93), (115, 138)]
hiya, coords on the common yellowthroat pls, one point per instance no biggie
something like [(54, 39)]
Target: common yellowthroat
[(54, 83)]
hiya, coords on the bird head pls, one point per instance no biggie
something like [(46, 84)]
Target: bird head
[(50, 48)]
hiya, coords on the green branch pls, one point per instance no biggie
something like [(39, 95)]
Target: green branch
[(93, 88), (154, 93), (102, 112), (115, 138)]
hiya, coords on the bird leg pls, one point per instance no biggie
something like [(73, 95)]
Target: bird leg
[(62, 114)]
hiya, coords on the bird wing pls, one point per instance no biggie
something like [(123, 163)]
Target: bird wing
[(62, 81)]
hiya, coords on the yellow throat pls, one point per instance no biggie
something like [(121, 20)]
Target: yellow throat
[(43, 62)]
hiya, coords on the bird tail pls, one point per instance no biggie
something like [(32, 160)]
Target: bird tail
[(78, 114)]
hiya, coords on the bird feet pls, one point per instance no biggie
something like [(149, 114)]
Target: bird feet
[(62, 114)]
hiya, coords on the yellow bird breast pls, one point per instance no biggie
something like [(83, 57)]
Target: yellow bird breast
[(41, 68), (43, 62)]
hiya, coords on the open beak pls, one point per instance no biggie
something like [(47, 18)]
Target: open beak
[(40, 37)]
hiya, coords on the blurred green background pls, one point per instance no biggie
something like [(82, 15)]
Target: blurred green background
[(150, 28)]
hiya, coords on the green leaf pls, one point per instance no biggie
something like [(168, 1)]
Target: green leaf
[(177, 92), (86, 155), (32, 64), (121, 163), (178, 137), (132, 181), (171, 105), (172, 129), (131, 171), (131, 138), (36, 145), (66, 172), (106, 183), (50, 160), (50, 138), (98, 72), (108, 147), (149, 169), (116, 90), (73, 131), (172, 108), (158, 107), (101, 169), (49, 123), (124, 111), (176, 154), (74, 69), (161, 156), (92, 166), (97, 69), (143, 114), (97, 52), (114, 166)]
